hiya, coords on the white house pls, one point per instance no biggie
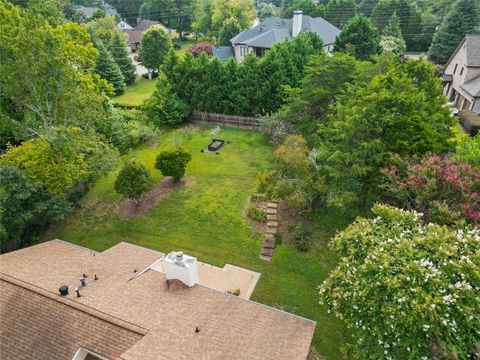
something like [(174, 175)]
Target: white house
[(122, 25), (461, 77)]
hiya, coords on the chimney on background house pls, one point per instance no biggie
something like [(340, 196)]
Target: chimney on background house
[(297, 22)]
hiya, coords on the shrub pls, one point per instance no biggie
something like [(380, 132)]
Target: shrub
[(173, 163), (409, 290), (133, 181), (446, 192), (256, 214), (469, 121), (301, 236), (26, 208), (468, 150), (197, 49), (277, 128)]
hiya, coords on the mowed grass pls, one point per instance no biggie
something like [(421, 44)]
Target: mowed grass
[(206, 220), (136, 93)]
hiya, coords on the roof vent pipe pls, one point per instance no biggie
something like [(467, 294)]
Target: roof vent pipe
[(297, 22), (63, 290)]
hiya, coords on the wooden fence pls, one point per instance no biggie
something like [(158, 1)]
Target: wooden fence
[(242, 122)]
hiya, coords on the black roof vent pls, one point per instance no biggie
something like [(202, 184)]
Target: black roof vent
[(63, 290)]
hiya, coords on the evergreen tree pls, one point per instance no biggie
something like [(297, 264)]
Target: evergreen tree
[(133, 181), (382, 12), (401, 111), (392, 40), (230, 28), (164, 108), (108, 69), (393, 27), (359, 38), (120, 55), (366, 7), (462, 19), (338, 12), (154, 45)]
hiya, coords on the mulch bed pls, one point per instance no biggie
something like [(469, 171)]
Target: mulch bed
[(128, 209)]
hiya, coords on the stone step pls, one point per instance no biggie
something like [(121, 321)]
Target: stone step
[(269, 244), (272, 224), (271, 211), (271, 230), (269, 237), (267, 252), (266, 258), (272, 205), (272, 217)]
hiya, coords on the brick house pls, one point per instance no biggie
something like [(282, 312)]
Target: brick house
[(461, 77)]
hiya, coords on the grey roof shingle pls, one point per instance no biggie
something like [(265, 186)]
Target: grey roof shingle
[(473, 50), (223, 53), (271, 31), (472, 86)]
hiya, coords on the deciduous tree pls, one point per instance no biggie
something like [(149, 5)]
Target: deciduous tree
[(401, 111), (26, 208), (154, 45), (408, 290)]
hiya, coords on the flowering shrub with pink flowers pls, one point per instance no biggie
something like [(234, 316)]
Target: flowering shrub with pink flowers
[(197, 49), (407, 289), (446, 192)]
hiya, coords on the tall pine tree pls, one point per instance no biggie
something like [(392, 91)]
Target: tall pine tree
[(463, 18), (108, 69), (120, 55)]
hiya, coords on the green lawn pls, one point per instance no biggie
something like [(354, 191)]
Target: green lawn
[(136, 93), (205, 220)]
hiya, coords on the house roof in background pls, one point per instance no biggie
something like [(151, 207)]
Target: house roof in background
[(282, 29), (472, 86), (230, 327), (223, 53), (134, 36), (145, 24), (89, 11)]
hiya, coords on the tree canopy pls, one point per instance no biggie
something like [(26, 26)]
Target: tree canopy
[(462, 19), (408, 290), (133, 180), (359, 38), (401, 111), (154, 45)]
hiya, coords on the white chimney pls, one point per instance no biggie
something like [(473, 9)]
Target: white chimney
[(297, 23), (181, 267)]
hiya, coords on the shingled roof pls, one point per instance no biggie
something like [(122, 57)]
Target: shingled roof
[(128, 317), (271, 31)]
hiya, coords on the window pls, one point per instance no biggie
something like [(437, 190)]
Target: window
[(243, 50), (455, 70), (461, 71)]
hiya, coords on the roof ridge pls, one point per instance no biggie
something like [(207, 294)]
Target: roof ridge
[(76, 305)]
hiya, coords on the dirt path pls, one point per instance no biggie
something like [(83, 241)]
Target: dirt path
[(128, 209)]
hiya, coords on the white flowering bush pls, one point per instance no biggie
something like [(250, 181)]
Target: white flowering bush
[(409, 290)]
